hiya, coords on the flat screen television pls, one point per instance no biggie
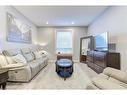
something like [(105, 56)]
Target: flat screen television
[(101, 42)]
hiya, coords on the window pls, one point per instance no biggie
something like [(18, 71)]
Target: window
[(63, 40)]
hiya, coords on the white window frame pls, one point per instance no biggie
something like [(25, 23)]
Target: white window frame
[(56, 40)]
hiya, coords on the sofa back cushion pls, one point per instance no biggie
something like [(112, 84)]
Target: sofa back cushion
[(9, 53), (29, 57), (19, 58), (28, 54), (117, 74)]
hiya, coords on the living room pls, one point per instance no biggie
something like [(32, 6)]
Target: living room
[(43, 23)]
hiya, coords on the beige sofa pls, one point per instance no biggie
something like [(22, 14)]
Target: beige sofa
[(19, 72), (110, 79)]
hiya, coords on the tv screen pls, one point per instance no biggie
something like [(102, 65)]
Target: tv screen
[(101, 42)]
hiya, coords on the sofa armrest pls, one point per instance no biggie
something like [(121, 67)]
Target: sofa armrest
[(117, 74), (13, 66), (106, 84), (3, 70)]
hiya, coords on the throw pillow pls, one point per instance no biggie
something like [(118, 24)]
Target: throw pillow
[(29, 57), (19, 58)]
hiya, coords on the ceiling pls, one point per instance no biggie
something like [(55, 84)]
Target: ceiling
[(61, 15)]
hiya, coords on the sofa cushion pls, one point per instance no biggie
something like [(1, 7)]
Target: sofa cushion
[(25, 50), (19, 58), (44, 63), (39, 60), (117, 74), (106, 84), (9, 53)]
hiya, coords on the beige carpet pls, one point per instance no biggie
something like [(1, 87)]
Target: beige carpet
[(48, 79)]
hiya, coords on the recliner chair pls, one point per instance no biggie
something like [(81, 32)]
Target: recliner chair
[(110, 79)]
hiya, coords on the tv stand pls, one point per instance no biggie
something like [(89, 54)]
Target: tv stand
[(99, 60)]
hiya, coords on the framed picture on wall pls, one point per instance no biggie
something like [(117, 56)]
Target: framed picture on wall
[(17, 30)]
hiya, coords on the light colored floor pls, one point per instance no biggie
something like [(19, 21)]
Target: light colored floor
[(48, 79)]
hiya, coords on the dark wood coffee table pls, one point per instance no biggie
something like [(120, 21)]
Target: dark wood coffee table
[(64, 68)]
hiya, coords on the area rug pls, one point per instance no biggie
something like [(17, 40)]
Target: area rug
[(48, 79)]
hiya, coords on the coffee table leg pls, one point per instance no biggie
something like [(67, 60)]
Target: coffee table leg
[(64, 74), (56, 68)]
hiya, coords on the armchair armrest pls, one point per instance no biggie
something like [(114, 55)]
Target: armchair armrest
[(3, 70), (117, 74), (106, 84)]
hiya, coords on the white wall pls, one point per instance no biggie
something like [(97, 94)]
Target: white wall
[(46, 36), (114, 20), (3, 28)]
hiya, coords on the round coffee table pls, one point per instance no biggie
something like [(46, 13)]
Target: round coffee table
[(64, 68)]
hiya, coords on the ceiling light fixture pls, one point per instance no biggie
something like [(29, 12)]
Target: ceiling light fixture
[(47, 22), (72, 22)]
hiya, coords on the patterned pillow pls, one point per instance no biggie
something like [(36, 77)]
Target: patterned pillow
[(29, 57)]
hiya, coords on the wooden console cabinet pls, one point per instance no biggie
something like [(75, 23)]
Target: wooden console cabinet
[(98, 60), (83, 58), (64, 56)]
